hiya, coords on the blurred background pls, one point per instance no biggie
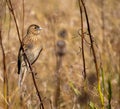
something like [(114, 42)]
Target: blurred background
[(61, 21)]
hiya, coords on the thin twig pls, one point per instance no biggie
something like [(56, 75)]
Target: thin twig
[(94, 55), (103, 23), (57, 93), (9, 27), (85, 33), (60, 52), (9, 4), (23, 14), (5, 76), (91, 40), (82, 42)]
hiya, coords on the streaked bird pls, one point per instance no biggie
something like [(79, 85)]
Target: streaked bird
[(32, 48)]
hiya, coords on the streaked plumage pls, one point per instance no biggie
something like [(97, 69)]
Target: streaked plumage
[(32, 48)]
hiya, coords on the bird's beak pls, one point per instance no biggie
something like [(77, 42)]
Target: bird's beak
[(40, 28)]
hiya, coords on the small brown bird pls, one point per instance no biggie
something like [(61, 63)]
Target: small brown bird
[(32, 48)]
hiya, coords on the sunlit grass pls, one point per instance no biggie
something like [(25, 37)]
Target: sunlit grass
[(55, 16)]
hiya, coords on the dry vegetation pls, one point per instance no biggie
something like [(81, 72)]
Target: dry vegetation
[(61, 21)]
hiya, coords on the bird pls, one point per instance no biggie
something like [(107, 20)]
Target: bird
[(31, 47)]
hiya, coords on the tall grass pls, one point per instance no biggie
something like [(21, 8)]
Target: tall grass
[(87, 79)]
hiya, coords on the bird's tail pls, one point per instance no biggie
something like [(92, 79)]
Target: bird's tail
[(22, 76)]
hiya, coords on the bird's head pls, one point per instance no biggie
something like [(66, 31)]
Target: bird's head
[(34, 29)]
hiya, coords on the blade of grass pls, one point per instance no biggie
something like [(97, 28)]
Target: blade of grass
[(109, 94), (5, 75), (92, 106)]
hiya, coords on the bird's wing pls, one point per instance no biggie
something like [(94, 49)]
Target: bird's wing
[(38, 55), (19, 60)]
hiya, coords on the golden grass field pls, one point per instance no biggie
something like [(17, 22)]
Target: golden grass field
[(60, 20)]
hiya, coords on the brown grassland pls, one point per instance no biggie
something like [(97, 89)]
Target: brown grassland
[(61, 82)]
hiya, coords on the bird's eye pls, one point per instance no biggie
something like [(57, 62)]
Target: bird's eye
[(36, 27)]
